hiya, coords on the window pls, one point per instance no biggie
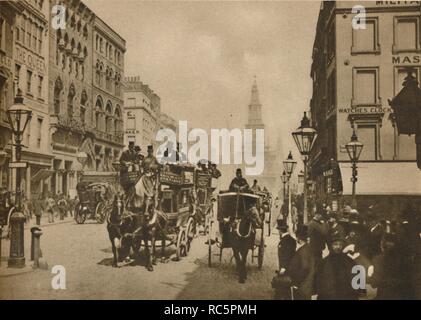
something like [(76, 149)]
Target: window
[(366, 40), (131, 122), (28, 33), (82, 114), (22, 29), (406, 34), (400, 74), (57, 90), (34, 37), (331, 96), (40, 80), (39, 132), (367, 135), (131, 102), (70, 101), (39, 40), (17, 75), (365, 86), (28, 81), (331, 42), (2, 34)]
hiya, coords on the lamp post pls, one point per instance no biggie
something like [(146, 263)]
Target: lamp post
[(354, 148), (19, 116), (82, 157), (284, 179), (289, 165), (304, 138)]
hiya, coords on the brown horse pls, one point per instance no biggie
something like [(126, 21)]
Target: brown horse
[(242, 232)]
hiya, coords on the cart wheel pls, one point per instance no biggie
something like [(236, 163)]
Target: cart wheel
[(210, 222), (181, 244), (80, 216), (100, 212), (190, 233), (260, 254)]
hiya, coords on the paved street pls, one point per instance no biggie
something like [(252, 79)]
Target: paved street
[(85, 252)]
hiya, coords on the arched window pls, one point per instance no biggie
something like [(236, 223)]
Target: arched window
[(98, 110), (108, 118), (70, 97), (58, 86), (83, 101), (117, 120)]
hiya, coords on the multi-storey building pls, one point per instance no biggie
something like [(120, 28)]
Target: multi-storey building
[(108, 60), (30, 70), (8, 17), (70, 93), (358, 65), (142, 113)]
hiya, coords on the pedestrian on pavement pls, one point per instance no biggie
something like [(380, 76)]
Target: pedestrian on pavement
[(334, 226), (333, 279), (302, 266), (286, 246), (49, 207), (38, 209), (318, 233), (388, 276)]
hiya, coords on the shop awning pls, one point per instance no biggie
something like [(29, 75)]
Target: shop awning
[(42, 174), (383, 178)]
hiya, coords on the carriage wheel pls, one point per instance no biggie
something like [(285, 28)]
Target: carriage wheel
[(181, 250), (190, 233), (260, 254), (270, 223), (80, 216), (100, 212)]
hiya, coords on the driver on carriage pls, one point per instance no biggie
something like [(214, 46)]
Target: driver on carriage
[(128, 157), (239, 184)]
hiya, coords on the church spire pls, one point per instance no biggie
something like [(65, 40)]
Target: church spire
[(254, 94)]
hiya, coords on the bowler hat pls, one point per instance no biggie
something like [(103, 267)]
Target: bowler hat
[(302, 232), (336, 236)]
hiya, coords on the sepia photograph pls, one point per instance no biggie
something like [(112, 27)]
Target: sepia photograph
[(210, 150)]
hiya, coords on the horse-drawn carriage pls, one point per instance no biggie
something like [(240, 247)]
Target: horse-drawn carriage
[(93, 201), (205, 199), (266, 207), (176, 189), (240, 225)]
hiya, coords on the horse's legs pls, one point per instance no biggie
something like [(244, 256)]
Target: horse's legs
[(114, 252), (148, 254), (238, 262), (163, 249), (153, 240), (244, 253)]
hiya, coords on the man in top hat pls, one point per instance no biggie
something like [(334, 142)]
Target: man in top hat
[(302, 266), (238, 183), (334, 226), (334, 276), (286, 246), (318, 233), (128, 157)]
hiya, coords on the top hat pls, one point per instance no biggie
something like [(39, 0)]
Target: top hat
[(150, 147), (131, 143), (302, 232), (281, 224)]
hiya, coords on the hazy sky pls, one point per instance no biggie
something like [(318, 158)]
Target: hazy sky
[(200, 58)]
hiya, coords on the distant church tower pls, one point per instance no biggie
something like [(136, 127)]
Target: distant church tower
[(254, 121), (269, 176)]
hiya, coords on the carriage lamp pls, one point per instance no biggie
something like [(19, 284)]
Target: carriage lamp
[(18, 115), (284, 179), (304, 137), (354, 148)]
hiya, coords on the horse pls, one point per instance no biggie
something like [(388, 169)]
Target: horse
[(119, 224), (242, 232)]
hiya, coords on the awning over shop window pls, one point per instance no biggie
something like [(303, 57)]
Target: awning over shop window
[(383, 178), (42, 174)]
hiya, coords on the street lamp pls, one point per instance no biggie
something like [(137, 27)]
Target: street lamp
[(284, 179), (304, 138), (81, 157), (19, 115), (289, 165), (354, 148)]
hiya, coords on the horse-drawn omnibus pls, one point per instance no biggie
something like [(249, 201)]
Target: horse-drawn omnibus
[(176, 193), (239, 216)]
